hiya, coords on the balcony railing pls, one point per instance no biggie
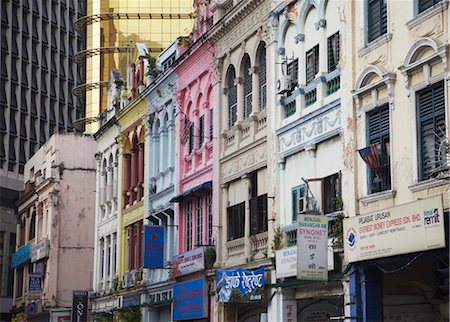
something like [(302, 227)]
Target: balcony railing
[(236, 248), (291, 234)]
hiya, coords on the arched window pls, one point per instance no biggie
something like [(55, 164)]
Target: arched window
[(166, 154), (262, 78), (103, 182), (232, 97), (32, 232), (156, 152), (247, 86)]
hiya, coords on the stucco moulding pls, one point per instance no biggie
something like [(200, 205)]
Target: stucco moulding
[(312, 131), (239, 165)]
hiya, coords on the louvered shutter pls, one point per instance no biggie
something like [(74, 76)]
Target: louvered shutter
[(376, 18), (431, 127)]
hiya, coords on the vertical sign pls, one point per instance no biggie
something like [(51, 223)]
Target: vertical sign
[(190, 300), (34, 283), (79, 306), (153, 247), (312, 247), (290, 311)]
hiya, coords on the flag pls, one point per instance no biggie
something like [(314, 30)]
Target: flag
[(371, 156)]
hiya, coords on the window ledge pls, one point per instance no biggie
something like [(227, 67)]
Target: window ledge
[(430, 12), (375, 44), (377, 196), (427, 184)]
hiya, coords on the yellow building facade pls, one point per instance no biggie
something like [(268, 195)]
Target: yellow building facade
[(112, 30)]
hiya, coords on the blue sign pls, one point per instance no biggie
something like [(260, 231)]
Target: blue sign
[(21, 256), (34, 282), (190, 300), (131, 300), (239, 285), (153, 246)]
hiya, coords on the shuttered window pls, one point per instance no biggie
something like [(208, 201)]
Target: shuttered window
[(199, 221), (258, 214), (376, 19), (378, 133), (201, 130), (425, 4), (248, 86), (262, 75), (332, 194), (232, 97), (298, 201), (191, 138), (292, 72), (333, 52), (211, 124), (189, 225), (312, 64), (236, 221), (431, 127)]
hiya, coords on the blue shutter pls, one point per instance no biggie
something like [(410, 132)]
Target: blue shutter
[(376, 19)]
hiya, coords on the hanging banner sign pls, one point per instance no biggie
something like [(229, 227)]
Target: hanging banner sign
[(312, 247), (412, 227), (34, 283), (79, 306), (239, 285), (189, 262), (153, 247), (190, 300)]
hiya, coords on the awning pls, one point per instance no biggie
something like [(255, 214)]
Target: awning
[(204, 186)]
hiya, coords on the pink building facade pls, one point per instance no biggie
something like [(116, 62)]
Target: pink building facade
[(195, 127)]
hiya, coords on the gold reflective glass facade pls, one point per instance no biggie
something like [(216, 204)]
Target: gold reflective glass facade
[(112, 29)]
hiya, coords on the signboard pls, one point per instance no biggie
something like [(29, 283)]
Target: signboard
[(130, 300), (190, 300), (40, 250), (153, 246), (286, 260), (189, 262), (290, 311), (418, 225), (239, 285), (21, 256), (79, 306), (34, 282), (312, 247)]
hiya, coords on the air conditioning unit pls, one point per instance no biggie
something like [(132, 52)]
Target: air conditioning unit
[(119, 301), (126, 280), (284, 84)]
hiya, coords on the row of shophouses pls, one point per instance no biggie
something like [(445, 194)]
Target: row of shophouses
[(288, 163)]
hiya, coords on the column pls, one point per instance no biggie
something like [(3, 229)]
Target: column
[(103, 187), (105, 262), (171, 145), (115, 179), (248, 246), (110, 259), (161, 149), (222, 238), (140, 171), (113, 256)]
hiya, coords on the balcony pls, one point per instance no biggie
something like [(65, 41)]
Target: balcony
[(244, 132), (258, 244)]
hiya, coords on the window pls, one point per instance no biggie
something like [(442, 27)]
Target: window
[(236, 221), (431, 127), (333, 52), (19, 282), (210, 217), (32, 233), (290, 109), (201, 130), (199, 221), (247, 87), (292, 72), (298, 201), (232, 97), (376, 19), (211, 124), (102, 259), (191, 138), (378, 134), (189, 225), (312, 63), (262, 78), (332, 195), (134, 239), (425, 4), (258, 214)]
